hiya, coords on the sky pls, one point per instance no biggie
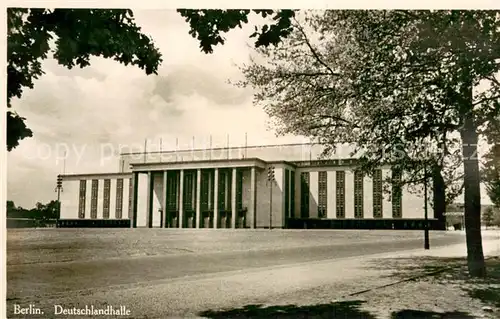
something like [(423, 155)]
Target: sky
[(92, 114), (83, 118)]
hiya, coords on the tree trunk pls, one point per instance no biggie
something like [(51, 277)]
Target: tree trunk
[(472, 195), (439, 195)]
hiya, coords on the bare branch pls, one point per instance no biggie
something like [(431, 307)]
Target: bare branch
[(496, 97), (303, 74), (315, 54)]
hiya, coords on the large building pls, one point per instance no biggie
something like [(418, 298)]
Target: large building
[(282, 186)]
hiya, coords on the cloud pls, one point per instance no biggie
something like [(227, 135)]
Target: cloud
[(88, 115), (189, 79)]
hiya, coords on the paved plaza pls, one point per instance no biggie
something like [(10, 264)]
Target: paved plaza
[(183, 272)]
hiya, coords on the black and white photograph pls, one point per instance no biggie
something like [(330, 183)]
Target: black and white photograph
[(179, 161)]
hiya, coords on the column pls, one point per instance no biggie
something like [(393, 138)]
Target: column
[(216, 197), (131, 188), (210, 184), (112, 198), (181, 199), (198, 198), (253, 198), (349, 194), (226, 190), (313, 194), (149, 202), (135, 188), (193, 192), (163, 222), (288, 213), (368, 197), (233, 199)]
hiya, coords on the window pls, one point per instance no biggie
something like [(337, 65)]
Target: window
[(397, 211), (223, 191), (304, 194), (172, 179), (292, 193), (81, 203), (211, 177), (340, 194), (377, 194), (205, 186), (106, 196), (239, 189), (93, 198), (287, 193), (119, 198), (322, 194), (189, 190), (358, 194)]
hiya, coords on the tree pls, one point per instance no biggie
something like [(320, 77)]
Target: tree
[(10, 205), (45, 212), (78, 34), (42, 214), (312, 77), (410, 76), (208, 25), (306, 89)]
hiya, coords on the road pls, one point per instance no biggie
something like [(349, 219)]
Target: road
[(81, 268)]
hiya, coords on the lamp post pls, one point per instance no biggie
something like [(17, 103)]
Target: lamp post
[(426, 216), (59, 189), (270, 180)]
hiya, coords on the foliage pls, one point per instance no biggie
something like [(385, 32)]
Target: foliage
[(16, 130), (10, 205), (307, 86), (72, 36), (41, 212), (208, 25)]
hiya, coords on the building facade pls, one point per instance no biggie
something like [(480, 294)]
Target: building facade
[(233, 188)]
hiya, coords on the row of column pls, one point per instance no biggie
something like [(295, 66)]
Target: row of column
[(180, 199)]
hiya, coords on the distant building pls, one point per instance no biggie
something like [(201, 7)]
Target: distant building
[(230, 188)]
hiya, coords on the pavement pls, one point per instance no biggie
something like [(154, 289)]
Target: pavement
[(186, 284)]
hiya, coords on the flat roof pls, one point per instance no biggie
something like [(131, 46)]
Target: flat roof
[(215, 163), (221, 148), (69, 177), (306, 163)]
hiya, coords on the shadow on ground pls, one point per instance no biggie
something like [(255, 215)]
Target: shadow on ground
[(417, 314), (338, 310), (448, 271), (343, 309)]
